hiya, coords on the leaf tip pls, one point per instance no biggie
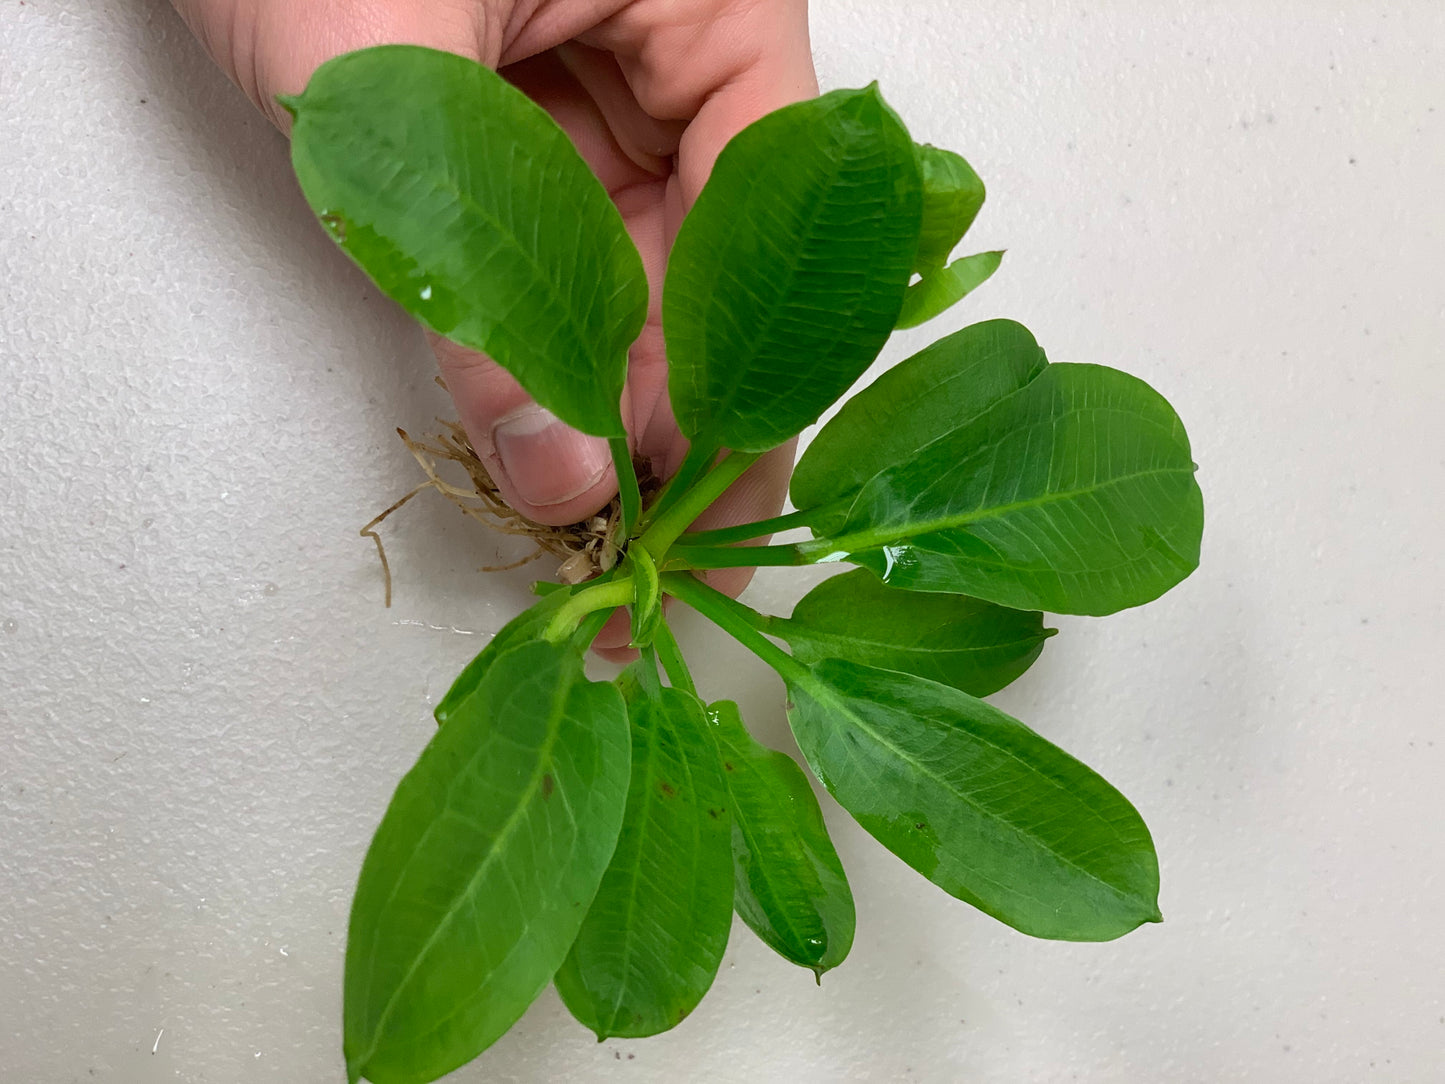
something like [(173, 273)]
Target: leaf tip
[(289, 102)]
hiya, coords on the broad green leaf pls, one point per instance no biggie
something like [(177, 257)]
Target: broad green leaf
[(979, 804), (953, 639), (952, 198), (655, 934), (941, 289), (1067, 488), (527, 625), (480, 874), (477, 215), (788, 273), (789, 885)]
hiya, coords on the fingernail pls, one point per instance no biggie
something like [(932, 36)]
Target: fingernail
[(547, 461)]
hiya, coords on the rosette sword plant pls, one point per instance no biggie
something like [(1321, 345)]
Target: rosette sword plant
[(599, 835)]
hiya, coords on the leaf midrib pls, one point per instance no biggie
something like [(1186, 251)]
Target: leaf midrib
[(872, 538)]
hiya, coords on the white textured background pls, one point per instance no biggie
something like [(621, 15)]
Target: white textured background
[(204, 707)]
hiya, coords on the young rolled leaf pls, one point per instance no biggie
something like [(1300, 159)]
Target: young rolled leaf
[(655, 933), (975, 801), (647, 609), (964, 642), (1067, 488), (789, 885), (789, 271), (945, 287), (479, 875), (953, 195), (477, 215)]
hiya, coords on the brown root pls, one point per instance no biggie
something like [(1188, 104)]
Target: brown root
[(583, 549)]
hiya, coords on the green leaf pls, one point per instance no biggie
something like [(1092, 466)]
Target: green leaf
[(789, 885), (953, 639), (952, 197), (953, 381), (480, 874), (941, 289), (655, 934), (788, 274), (1067, 488), (978, 803), (476, 214), (527, 625)]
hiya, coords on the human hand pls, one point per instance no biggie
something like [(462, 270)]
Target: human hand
[(649, 92)]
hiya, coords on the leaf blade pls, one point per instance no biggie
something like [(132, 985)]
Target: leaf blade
[(527, 625), (976, 802), (787, 275), (958, 378), (1063, 487), (789, 884), (513, 809), (939, 290), (654, 936), (971, 645), (953, 194), (478, 216)]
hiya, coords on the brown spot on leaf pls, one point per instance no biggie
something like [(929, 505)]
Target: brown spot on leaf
[(727, 766), (668, 789), (714, 813), (548, 786)]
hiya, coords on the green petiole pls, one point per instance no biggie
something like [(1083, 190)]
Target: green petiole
[(627, 489), (742, 623), (602, 596), (708, 557), (697, 460), (673, 663), (743, 532), (666, 529)]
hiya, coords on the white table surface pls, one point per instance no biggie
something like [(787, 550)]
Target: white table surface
[(204, 706)]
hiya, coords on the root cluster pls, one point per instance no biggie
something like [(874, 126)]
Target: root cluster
[(582, 549)]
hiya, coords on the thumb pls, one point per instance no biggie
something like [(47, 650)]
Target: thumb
[(546, 470)]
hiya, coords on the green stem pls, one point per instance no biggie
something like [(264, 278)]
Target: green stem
[(699, 457), (659, 538), (627, 490), (723, 536), (740, 622), (704, 557), (602, 596), (673, 663)]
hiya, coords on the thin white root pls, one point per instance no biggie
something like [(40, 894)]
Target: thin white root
[(583, 549)]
